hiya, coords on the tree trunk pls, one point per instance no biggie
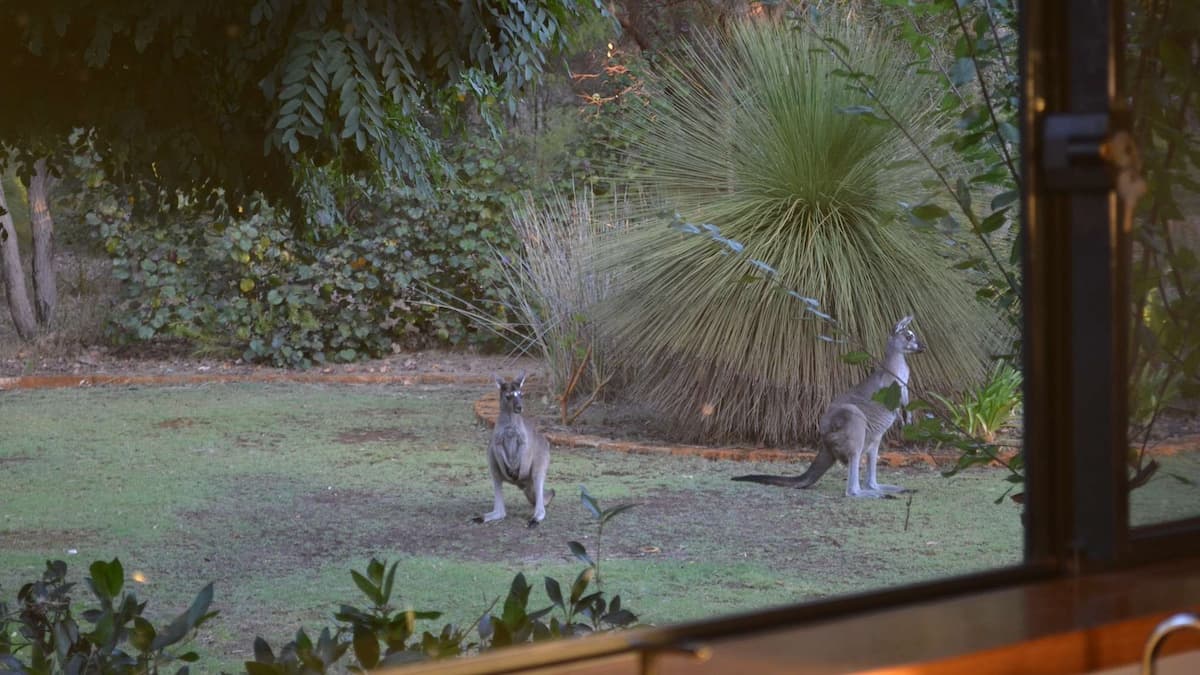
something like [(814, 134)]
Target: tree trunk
[(14, 275), (45, 283)]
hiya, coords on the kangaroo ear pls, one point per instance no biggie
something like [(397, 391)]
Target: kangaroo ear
[(902, 324), (521, 380), (499, 382)]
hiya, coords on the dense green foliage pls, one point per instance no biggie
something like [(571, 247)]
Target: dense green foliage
[(970, 49), (382, 635), (754, 139), (248, 284), (1165, 311), (42, 634), (189, 95)]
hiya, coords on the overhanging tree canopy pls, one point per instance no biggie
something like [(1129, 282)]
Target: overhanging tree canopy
[(232, 94)]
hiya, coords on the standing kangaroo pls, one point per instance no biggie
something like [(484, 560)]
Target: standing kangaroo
[(854, 423), (517, 454)]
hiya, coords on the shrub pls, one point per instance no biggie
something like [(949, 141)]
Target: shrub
[(985, 410), (121, 640), (250, 284), (551, 289), (382, 635), (49, 639), (755, 141)]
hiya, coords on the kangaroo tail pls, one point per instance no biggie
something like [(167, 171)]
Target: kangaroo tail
[(820, 465)]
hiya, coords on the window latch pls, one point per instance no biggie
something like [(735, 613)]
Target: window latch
[(1073, 151)]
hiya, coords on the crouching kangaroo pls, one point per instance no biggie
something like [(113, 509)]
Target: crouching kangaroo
[(517, 454), (854, 423)]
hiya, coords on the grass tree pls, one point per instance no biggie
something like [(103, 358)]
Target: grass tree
[(752, 136)]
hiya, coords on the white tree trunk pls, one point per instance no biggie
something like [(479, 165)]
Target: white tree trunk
[(45, 283), (14, 275)]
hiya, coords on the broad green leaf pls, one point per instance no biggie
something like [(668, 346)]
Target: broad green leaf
[(962, 72), (1004, 199), (369, 589), (993, 222), (375, 571), (389, 582), (889, 396), (856, 357), (580, 553), (581, 583), (366, 647), (142, 635), (554, 591), (620, 617), (610, 513), (1009, 132), (185, 622), (929, 211), (589, 502)]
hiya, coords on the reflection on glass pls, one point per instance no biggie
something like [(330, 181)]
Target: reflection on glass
[(1164, 401)]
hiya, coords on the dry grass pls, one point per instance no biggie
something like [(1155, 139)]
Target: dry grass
[(554, 287), (86, 293)]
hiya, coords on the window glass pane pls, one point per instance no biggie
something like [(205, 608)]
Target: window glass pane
[(736, 251), (1164, 430)]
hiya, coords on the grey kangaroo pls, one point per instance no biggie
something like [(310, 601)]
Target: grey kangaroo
[(517, 454), (854, 424)]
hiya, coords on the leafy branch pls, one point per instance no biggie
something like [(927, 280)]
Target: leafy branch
[(958, 189)]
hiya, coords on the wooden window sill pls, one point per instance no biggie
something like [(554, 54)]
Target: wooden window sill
[(1079, 625)]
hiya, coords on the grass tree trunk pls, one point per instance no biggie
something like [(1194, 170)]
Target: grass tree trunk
[(45, 285), (14, 276)]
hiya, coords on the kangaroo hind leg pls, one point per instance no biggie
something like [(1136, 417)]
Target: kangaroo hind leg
[(852, 439), (538, 495), (872, 464)]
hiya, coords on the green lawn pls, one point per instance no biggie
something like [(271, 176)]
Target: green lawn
[(276, 491)]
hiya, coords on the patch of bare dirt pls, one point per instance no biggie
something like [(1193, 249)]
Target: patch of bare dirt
[(176, 423), (622, 421), (384, 435), (262, 440), (292, 527), (175, 359), (36, 539)]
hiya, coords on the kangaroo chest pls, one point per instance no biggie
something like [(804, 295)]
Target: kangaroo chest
[(509, 445), (901, 371)]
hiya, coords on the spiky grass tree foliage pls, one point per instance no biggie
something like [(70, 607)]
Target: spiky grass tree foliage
[(751, 139)]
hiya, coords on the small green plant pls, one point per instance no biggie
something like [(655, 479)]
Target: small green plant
[(602, 517), (383, 635), (983, 412), (50, 639)]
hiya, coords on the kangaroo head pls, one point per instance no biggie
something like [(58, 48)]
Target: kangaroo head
[(510, 393), (903, 339)]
